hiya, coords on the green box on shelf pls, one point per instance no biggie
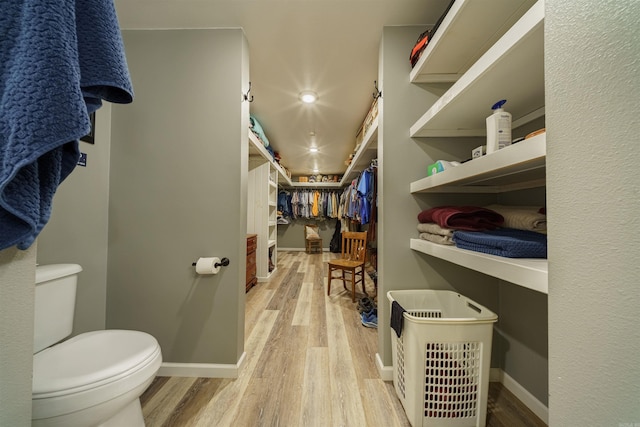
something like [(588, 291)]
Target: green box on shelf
[(434, 168)]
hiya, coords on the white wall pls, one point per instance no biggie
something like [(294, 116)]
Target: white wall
[(593, 90), (178, 191), (78, 228), (403, 160), (291, 236), (17, 278)]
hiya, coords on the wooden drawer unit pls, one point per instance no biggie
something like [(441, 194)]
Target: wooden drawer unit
[(252, 240)]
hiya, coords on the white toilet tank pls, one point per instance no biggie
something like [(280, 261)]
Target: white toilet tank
[(55, 299)]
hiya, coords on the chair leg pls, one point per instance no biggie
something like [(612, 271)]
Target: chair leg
[(353, 286), (364, 290), (329, 282)]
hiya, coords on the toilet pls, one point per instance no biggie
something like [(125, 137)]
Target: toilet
[(92, 379)]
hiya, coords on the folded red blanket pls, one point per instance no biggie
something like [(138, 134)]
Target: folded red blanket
[(471, 218)]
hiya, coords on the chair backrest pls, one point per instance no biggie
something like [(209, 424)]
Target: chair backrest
[(311, 231), (354, 245)]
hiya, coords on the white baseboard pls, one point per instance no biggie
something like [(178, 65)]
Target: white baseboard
[(298, 249), (385, 372), (203, 370), (529, 400)]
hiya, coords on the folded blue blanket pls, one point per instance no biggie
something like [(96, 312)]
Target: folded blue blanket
[(506, 242), (58, 61), (256, 127)]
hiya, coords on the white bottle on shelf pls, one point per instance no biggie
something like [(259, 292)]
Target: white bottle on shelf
[(498, 128)]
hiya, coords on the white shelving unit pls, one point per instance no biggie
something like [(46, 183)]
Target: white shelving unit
[(368, 151), (316, 184), (257, 150), (468, 30), (272, 237), (512, 69), (262, 206), (515, 167), (526, 272)]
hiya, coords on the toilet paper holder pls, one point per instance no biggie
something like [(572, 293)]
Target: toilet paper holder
[(223, 263)]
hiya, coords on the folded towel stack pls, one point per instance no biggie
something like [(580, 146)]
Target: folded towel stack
[(58, 61), (522, 217), (436, 234), (505, 242), (471, 218)]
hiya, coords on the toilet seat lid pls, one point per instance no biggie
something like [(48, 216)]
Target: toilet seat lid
[(91, 359)]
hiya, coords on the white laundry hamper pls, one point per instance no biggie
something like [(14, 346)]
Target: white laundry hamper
[(442, 357)]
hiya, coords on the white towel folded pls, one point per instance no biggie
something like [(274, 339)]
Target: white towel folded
[(522, 217)]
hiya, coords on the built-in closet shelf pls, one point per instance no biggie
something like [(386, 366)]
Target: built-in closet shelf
[(516, 167), (466, 32), (512, 69), (529, 273), (316, 184), (256, 148), (262, 195), (366, 153)]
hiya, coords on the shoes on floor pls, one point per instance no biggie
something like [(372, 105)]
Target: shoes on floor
[(370, 319), (366, 304)]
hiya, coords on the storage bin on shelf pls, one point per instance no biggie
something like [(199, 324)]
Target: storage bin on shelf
[(442, 357)]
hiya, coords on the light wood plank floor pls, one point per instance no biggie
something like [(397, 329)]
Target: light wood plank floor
[(309, 362)]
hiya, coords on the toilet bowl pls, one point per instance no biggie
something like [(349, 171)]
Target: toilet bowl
[(92, 379)]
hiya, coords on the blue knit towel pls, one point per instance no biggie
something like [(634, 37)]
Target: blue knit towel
[(505, 242), (58, 61)]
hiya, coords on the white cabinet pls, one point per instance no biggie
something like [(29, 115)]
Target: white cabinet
[(511, 68)]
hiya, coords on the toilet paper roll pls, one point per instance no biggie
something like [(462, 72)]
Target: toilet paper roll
[(208, 265)]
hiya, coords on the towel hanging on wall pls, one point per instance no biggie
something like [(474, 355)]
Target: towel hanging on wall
[(58, 61)]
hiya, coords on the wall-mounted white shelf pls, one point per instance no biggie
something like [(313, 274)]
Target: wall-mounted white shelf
[(466, 32), (512, 69), (529, 273), (316, 184), (515, 167), (368, 151), (256, 148)]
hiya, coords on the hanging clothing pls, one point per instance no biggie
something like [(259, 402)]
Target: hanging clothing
[(311, 204), (315, 205)]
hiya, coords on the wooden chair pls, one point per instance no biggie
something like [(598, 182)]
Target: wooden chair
[(351, 264), (312, 239)]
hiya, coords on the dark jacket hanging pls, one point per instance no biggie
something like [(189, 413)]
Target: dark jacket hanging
[(335, 245)]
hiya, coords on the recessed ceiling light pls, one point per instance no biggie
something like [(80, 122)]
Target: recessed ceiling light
[(313, 149), (315, 170), (308, 97)]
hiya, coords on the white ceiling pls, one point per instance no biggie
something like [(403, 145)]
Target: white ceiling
[(328, 46)]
